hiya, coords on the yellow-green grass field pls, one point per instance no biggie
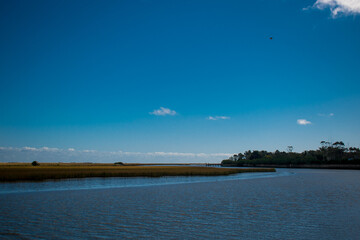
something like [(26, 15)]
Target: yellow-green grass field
[(10, 172)]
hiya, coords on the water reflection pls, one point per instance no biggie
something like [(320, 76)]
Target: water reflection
[(101, 183)]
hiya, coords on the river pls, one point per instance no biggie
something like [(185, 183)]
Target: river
[(288, 204)]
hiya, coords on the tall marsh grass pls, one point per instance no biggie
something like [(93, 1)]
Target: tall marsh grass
[(26, 172)]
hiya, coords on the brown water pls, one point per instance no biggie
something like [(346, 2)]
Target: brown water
[(293, 204)]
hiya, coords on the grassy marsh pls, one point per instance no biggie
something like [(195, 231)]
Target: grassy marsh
[(25, 172)]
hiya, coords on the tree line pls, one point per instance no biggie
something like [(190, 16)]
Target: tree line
[(327, 153)]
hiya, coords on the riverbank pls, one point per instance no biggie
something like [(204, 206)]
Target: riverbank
[(12, 172)]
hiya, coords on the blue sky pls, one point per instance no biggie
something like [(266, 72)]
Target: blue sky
[(175, 77)]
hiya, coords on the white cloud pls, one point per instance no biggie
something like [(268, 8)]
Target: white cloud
[(303, 122), (48, 149), (326, 115), (30, 149), (45, 154), (337, 7), (163, 112), (179, 154), (89, 151), (42, 149), (218, 118)]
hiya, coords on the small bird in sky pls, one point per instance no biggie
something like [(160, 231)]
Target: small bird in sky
[(270, 38)]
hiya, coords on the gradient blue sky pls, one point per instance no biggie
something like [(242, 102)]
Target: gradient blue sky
[(91, 75)]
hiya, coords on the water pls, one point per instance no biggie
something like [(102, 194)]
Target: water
[(289, 204), (97, 183)]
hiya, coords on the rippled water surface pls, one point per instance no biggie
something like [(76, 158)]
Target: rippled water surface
[(289, 204)]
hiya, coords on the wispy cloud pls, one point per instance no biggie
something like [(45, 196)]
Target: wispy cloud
[(46, 154), (303, 122), (42, 149), (326, 115), (89, 151), (218, 118), (163, 112), (338, 7), (29, 149)]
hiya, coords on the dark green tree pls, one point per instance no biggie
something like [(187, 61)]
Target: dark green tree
[(35, 163)]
